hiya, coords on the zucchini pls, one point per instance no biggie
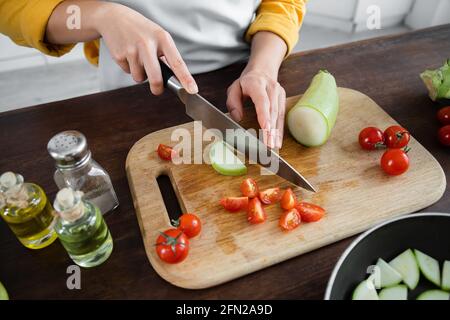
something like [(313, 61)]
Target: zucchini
[(434, 295), (224, 161), (429, 267), (399, 292), (388, 275), (406, 264), (446, 276), (3, 293), (313, 117), (365, 291)]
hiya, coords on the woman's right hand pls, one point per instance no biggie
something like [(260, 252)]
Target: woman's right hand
[(137, 43)]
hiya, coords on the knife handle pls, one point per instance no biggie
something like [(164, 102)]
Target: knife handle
[(166, 72)]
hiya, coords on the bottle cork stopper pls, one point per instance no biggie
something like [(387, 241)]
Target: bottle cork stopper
[(8, 180), (65, 198)]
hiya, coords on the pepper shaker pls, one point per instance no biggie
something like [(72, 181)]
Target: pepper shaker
[(76, 169)]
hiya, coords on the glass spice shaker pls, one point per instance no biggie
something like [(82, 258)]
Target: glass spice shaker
[(76, 169)]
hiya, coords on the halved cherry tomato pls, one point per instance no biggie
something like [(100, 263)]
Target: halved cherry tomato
[(444, 115), (288, 200), (396, 137), (255, 211), (234, 204), (172, 246), (371, 138), (270, 196), (165, 152), (290, 219), (310, 212), (444, 135), (249, 188), (394, 162), (189, 223)]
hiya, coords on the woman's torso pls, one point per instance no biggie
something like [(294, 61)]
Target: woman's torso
[(208, 33)]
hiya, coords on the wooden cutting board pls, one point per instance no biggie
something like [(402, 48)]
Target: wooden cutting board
[(352, 188)]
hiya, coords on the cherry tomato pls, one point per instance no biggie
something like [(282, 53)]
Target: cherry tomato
[(371, 138), (172, 246), (444, 135), (255, 211), (271, 195), (249, 188), (396, 137), (394, 162), (234, 204), (444, 115), (290, 219), (190, 224), (165, 152), (310, 212), (288, 200)]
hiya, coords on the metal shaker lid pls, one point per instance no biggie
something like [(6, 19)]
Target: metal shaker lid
[(68, 148)]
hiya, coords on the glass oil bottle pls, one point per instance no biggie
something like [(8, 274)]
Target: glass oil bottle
[(81, 229), (27, 211)]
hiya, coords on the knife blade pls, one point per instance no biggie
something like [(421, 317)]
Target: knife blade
[(199, 109)]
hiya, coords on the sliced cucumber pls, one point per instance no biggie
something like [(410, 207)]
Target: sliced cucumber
[(429, 267), (446, 276), (313, 117), (388, 275), (399, 292), (224, 161), (406, 264), (365, 291), (3, 293), (434, 295)]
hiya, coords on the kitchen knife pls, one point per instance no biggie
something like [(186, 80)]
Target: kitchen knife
[(200, 109)]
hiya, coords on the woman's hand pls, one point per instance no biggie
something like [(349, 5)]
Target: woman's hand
[(269, 99), (135, 43), (259, 82)]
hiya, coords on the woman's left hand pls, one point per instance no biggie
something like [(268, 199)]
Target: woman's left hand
[(268, 97)]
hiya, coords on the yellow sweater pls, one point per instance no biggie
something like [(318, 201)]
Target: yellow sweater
[(25, 22)]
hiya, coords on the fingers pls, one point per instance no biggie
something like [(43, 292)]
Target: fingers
[(136, 67), (281, 116), (234, 101), (258, 94), (150, 60), (273, 92), (123, 64), (176, 63)]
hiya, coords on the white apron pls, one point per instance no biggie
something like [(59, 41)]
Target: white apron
[(208, 33)]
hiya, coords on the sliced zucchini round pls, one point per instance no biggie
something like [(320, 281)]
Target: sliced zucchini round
[(405, 264), (434, 295), (365, 291), (399, 292), (429, 267)]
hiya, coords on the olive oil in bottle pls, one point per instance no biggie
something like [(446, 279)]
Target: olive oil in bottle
[(81, 229), (27, 211)]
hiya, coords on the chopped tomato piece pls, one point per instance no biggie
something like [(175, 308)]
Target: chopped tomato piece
[(288, 199), (256, 212), (249, 188), (290, 219), (310, 212), (271, 195), (234, 204), (165, 152)]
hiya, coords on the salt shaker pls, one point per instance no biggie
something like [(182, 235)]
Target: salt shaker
[(76, 169)]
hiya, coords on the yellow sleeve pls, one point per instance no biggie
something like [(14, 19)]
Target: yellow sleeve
[(25, 22), (283, 17)]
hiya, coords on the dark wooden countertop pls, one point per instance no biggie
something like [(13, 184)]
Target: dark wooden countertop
[(387, 69)]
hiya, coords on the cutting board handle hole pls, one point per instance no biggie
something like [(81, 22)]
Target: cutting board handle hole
[(169, 197)]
